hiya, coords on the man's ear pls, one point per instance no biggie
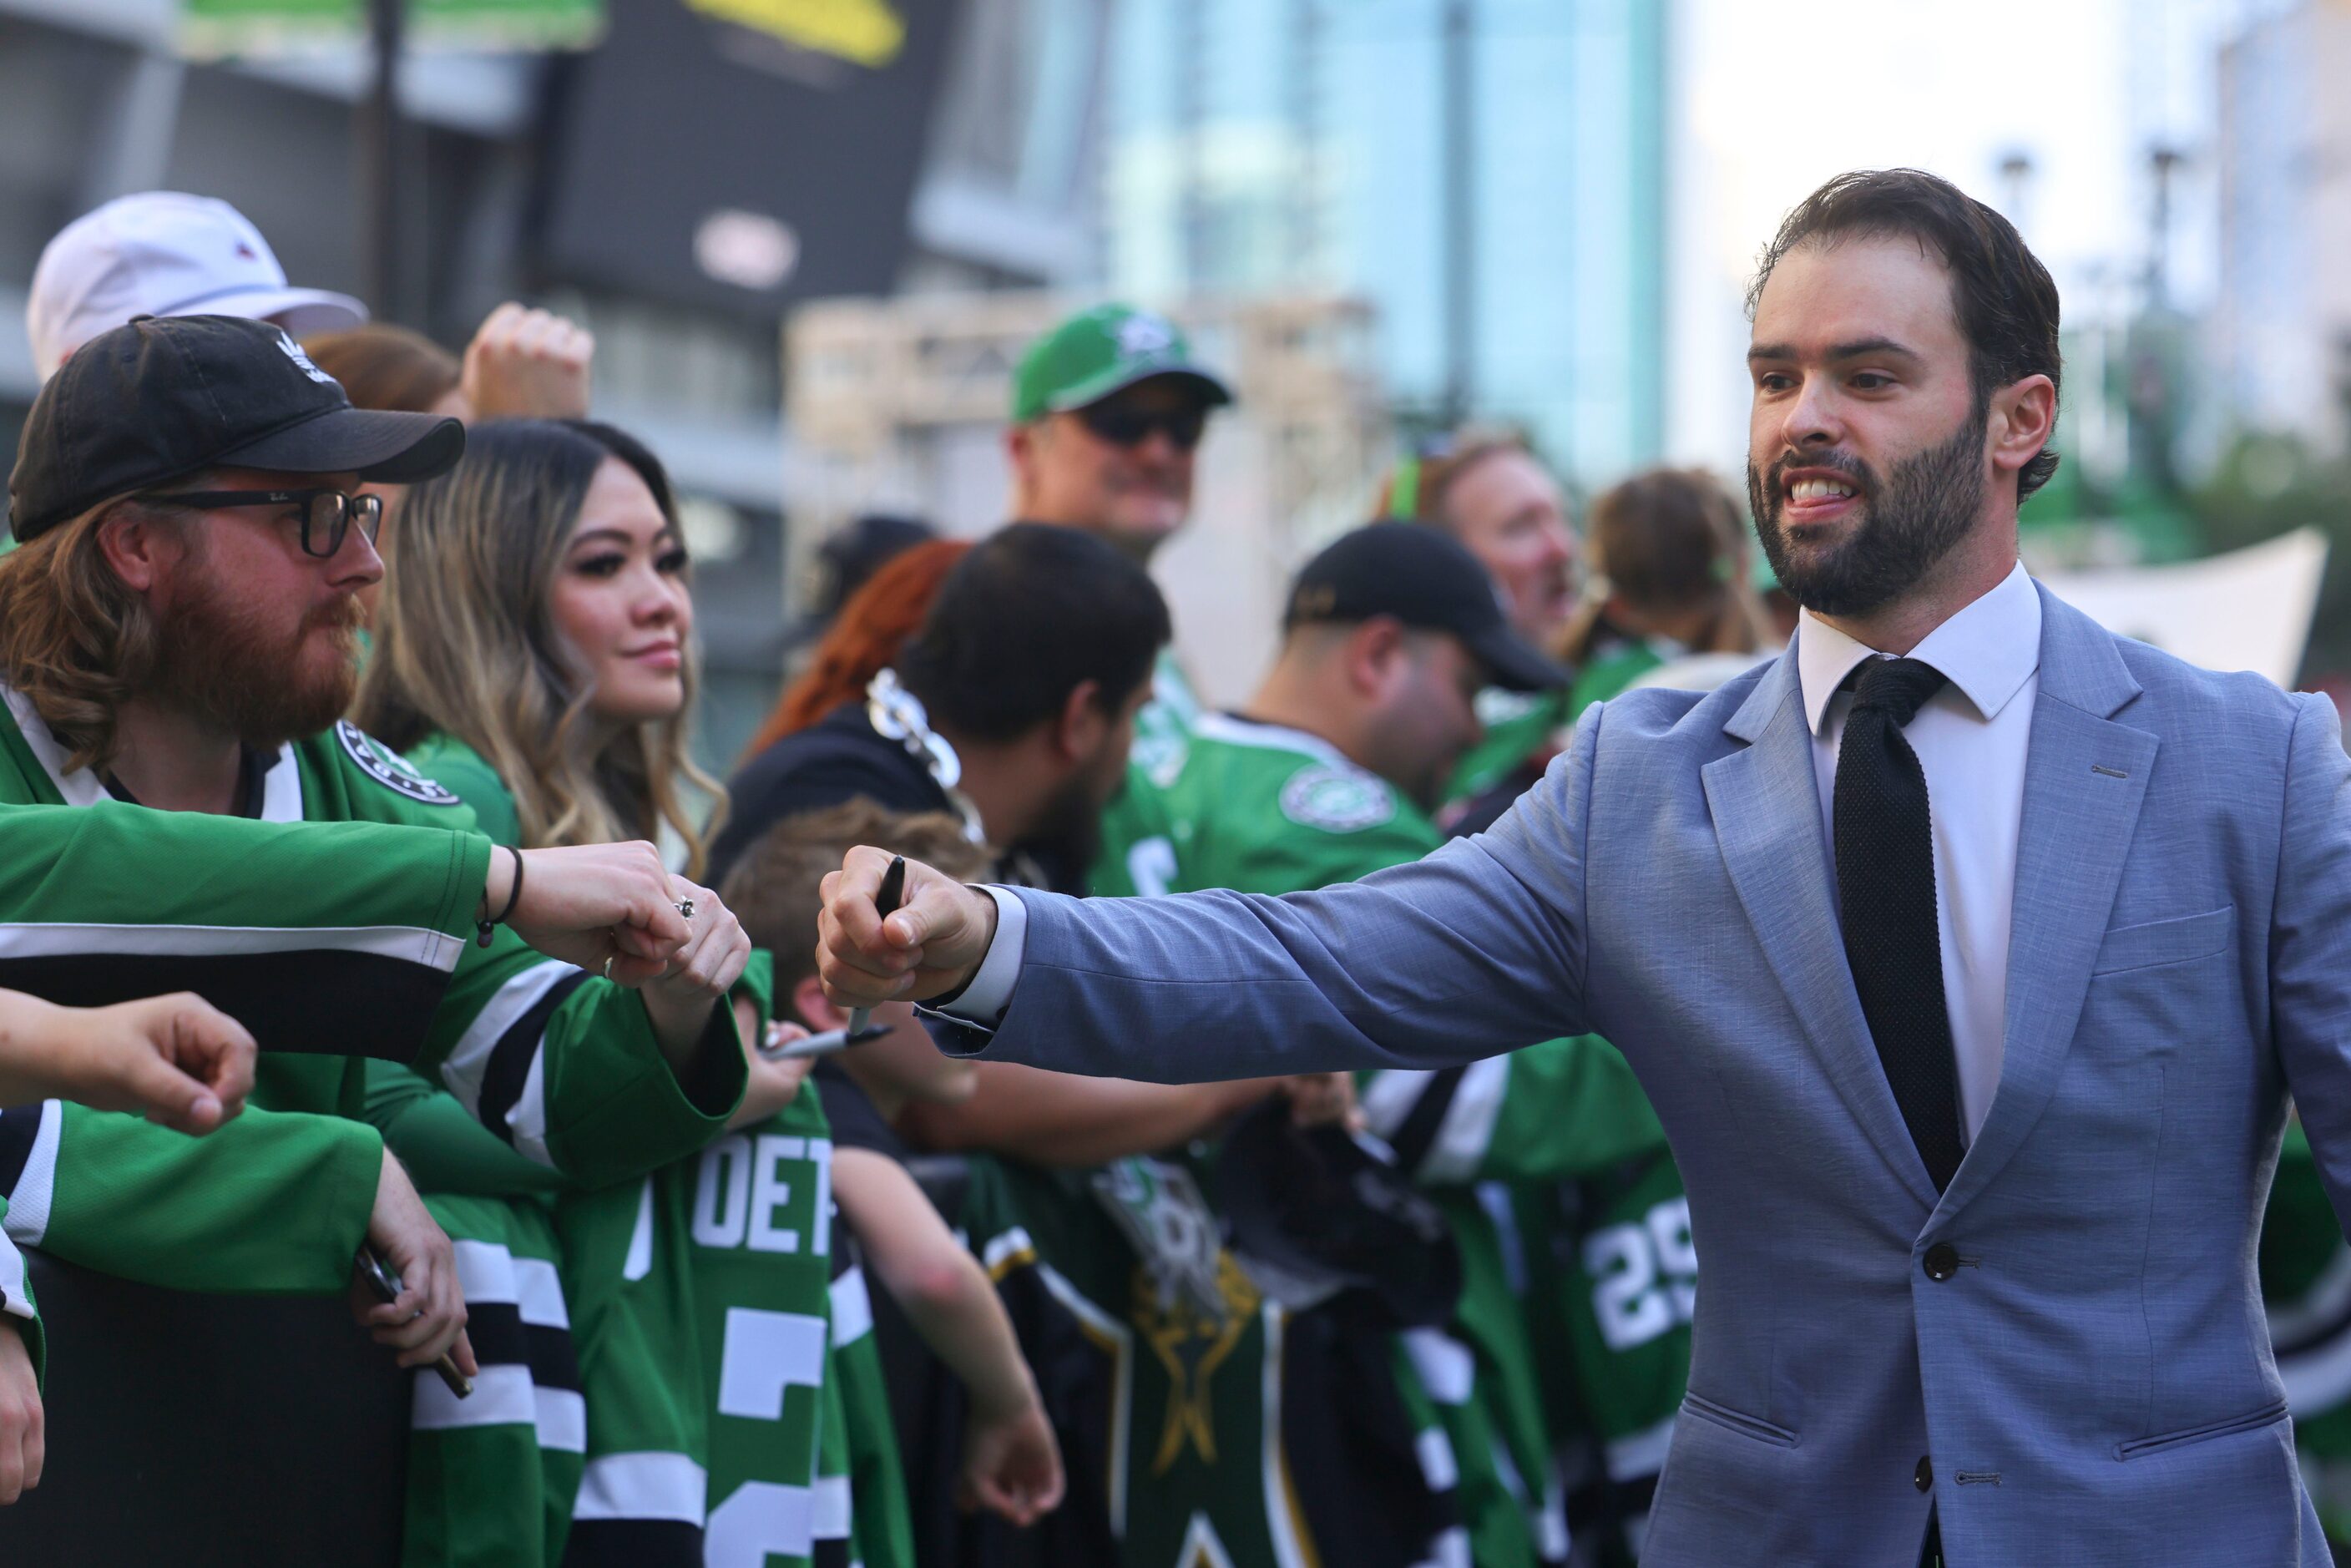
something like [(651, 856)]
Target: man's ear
[(1021, 445), (1078, 730), (816, 1008), (2023, 417), (1372, 651), (141, 545)]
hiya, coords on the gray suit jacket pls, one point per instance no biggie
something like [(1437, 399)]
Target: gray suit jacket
[(2091, 1374)]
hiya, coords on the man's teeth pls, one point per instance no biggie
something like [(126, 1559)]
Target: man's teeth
[(1817, 490)]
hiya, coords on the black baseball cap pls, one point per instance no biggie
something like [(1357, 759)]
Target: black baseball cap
[(167, 396), (1426, 580)]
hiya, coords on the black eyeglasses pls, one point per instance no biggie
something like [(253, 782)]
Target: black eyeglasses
[(1132, 427), (326, 515)]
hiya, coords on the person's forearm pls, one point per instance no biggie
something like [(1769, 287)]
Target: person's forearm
[(29, 1069), (964, 1323), (1060, 1119)]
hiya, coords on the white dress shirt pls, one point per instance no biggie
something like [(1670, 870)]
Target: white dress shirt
[(1971, 738)]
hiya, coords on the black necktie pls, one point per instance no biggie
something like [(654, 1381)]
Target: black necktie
[(1885, 882)]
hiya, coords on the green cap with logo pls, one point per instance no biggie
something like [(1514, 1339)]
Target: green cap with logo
[(1099, 351)]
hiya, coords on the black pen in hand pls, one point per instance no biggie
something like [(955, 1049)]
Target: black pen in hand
[(885, 904)]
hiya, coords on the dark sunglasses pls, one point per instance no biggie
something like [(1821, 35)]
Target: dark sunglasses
[(1132, 427), (326, 515)]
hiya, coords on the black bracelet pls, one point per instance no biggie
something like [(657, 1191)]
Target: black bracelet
[(514, 896)]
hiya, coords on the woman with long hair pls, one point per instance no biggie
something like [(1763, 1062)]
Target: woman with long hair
[(1670, 584), (534, 652)]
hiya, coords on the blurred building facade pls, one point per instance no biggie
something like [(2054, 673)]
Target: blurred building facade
[(1487, 174), (2283, 316), (96, 102)]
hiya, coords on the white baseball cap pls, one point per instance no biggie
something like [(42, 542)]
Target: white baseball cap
[(160, 253)]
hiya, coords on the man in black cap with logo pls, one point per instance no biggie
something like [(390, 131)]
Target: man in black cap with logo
[(177, 632)]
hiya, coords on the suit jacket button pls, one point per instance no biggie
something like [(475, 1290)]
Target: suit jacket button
[(1923, 1478), (1942, 1261)]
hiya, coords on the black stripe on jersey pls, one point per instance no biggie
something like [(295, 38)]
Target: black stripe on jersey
[(1419, 1135), (553, 1362), (20, 1125), (298, 1001), (634, 1543), (510, 1059), (495, 1329), (828, 1554)]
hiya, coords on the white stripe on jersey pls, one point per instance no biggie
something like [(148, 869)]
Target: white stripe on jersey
[(527, 1118), (538, 1292), (1637, 1455), (1438, 1467), (1444, 1363), (1390, 1096), (470, 1061), (408, 943), (640, 1260), (829, 1518), (502, 1397), (1450, 1550), (1459, 1147), (852, 1309), (562, 1419), (36, 1183), (15, 1294), (486, 1272), (640, 1485)]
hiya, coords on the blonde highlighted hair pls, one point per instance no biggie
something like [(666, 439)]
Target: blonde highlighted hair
[(466, 644), (74, 641)]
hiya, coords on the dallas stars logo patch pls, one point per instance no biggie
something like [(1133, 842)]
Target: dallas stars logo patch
[(1336, 799), (1142, 334), (387, 767)]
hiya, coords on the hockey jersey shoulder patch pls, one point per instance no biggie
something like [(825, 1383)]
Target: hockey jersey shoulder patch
[(387, 767), (1336, 799)]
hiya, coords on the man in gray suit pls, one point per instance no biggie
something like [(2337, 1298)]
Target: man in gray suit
[(1967, 951)]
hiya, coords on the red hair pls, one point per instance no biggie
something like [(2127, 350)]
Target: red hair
[(864, 638)]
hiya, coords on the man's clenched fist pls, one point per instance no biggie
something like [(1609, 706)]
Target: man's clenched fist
[(930, 946)]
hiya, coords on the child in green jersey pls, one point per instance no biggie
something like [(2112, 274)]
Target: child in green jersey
[(1011, 1464), (532, 652)]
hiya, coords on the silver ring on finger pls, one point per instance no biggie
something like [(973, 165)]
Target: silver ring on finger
[(608, 964), (685, 907)]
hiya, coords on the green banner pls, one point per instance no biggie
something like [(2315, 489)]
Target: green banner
[(210, 29)]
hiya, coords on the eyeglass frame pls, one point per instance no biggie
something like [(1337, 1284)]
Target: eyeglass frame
[(366, 509)]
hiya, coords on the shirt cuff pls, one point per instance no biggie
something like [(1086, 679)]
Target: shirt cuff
[(989, 992)]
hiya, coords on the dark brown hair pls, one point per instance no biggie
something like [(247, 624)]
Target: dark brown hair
[(2004, 299), (774, 888), (387, 367), (1669, 541)]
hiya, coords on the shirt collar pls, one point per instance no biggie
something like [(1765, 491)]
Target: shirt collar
[(1987, 651)]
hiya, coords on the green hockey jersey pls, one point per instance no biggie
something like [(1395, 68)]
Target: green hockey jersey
[(1162, 729), (702, 1309), (560, 1065)]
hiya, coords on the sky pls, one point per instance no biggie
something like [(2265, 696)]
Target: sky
[(1774, 99)]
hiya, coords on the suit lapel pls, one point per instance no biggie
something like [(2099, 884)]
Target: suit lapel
[(1767, 817), (2084, 777)]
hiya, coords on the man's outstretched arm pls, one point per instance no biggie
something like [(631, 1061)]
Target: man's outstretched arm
[(1448, 960)]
